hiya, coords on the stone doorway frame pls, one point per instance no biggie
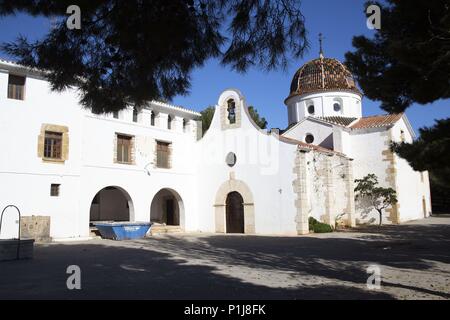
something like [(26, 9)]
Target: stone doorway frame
[(220, 205)]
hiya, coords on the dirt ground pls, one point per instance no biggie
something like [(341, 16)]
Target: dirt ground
[(413, 259)]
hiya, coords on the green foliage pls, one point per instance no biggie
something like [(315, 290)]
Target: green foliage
[(407, 60), (319, 227), (261, 122), (312, 223), (131, 52), (379, 198), (322, 228), (208, 114)]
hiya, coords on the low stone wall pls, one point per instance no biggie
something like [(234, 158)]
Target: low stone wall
[(35, 227), (8, 249)]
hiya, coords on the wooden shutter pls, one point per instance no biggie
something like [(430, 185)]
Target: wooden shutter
[(16, 87), (162, 154), (124, 149)]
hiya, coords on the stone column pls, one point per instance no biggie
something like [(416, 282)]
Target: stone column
[(330, 194), (301, 189), (350, 194)]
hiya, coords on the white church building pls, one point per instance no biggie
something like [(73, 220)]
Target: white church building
[(66, 168)]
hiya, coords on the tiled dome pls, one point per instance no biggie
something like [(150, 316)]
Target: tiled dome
[(321, 75)]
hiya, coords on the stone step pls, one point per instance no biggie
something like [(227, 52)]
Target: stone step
[(94, 233), (161, 229)]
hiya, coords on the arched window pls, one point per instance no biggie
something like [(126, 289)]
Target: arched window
[(169, 122), (231, 111), (185, 123), (152, 118), (311, 109), (135, 114), (309, 138)]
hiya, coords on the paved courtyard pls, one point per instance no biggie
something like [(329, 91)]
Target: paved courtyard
[(414, 259)]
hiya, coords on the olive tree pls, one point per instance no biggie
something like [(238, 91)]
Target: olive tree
[(378, 197)]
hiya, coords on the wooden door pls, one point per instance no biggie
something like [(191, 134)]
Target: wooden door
[(235, 213)]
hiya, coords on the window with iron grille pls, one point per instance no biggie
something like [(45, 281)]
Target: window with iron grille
[(163, 155), (16, 87), (124, 146), (152, 118), (135, 114), (53, 145), (54, 190)]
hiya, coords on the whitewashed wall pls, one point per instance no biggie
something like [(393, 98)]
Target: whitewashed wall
[(412, 186), (366, 150), (323, 105), (323, 133), (25, 179), (264, 164)]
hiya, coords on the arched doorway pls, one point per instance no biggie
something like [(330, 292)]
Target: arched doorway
[(167, 208), (111, 204), (235, 213), (234, 207)]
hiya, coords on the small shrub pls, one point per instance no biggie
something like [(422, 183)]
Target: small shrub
[(312, 223), (322, 228), (319, 227)]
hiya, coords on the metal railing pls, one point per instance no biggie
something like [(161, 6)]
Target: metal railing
[(18, 236)]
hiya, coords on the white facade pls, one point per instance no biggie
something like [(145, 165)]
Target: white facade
[(90, 166), (324, 104), (370, 150), (281, 179)]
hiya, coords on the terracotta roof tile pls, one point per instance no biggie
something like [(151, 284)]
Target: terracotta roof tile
[(308, 146), (323, 74), (376, 121), (342, 121)]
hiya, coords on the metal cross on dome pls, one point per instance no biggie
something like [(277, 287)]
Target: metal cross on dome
[(321, 44)]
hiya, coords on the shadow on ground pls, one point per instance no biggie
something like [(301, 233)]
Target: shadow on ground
[(194, 267)]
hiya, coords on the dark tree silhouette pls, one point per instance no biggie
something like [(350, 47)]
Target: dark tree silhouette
[(134, 51), (408, 60), (260, 121), (207, 116)]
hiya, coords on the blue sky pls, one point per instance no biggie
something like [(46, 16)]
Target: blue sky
[(338, 20)]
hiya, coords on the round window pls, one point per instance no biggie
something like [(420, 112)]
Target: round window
[(309, 138), (337, 107), (311, 109), (231, 159)]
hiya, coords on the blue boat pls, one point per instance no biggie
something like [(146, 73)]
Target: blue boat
[(123, 230)]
